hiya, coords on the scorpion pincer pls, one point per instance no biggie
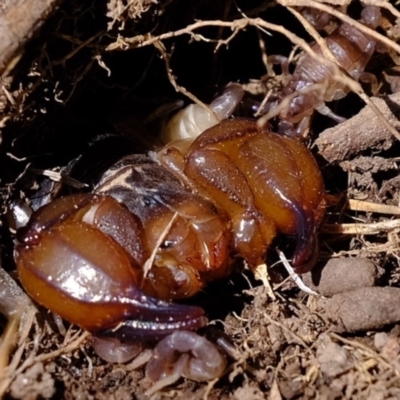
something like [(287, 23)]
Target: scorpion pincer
[(159, 228), (82, 256)]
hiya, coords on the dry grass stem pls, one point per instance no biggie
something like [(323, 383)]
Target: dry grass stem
[(148, 264), (261, 274), (362, 229), (364, 348), (343, 17), (361, 205), (295, 277), (295, 337)]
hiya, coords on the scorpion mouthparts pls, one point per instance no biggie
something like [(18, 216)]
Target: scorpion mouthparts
[(156, 323)]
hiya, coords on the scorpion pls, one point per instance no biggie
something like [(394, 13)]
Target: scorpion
[(159, 228), (143, 227), (314, 82)]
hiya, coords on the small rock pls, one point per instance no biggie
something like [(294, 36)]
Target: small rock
[(35, 382), (380, 339), (363, 309), (247, 392), (391, 76), (391, 349), (341, 275), (333, 359), (276, 337)]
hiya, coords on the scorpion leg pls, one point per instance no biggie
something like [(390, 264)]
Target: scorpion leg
[(325, 110), (184, 354)]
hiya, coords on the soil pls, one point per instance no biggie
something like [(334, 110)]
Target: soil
[(98, 81)]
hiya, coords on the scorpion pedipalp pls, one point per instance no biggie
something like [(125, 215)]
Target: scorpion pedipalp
[(85, 276)]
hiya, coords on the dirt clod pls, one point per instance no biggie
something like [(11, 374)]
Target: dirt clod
[(341, 275), (34, 383), (364, 309), (363, 131), (333, 358)]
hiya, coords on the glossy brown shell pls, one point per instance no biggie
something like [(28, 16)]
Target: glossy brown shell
[(265, 182)]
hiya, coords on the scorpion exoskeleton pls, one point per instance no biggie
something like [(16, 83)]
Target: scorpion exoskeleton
[(142, 236), (317, 80)]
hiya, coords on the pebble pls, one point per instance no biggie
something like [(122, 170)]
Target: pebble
[(368, 308), (341, 275)]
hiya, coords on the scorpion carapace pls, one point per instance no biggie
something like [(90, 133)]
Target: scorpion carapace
[(103, 260)]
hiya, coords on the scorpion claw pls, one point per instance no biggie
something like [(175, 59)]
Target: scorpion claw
[(87, 278), (306, 254), (306, 251)]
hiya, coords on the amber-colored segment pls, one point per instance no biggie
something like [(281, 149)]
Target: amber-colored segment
[(312, 185), (81, 274), (97, 261), (211, 166), (215, 175), (187, 235), (284, 178), (84, 269), (266, 183), (103, 212), (350, 54), (171, 156), (288, 188), (54, 212), (116, 221), (194, 250)]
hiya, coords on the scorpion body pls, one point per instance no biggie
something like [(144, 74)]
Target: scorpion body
[(103, 261), (314, 82)]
